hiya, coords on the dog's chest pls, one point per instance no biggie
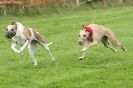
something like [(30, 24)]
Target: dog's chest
[(22, 36), (18, 40)]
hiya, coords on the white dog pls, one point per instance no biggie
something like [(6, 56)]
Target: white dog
[(93, 34), (25, 37)]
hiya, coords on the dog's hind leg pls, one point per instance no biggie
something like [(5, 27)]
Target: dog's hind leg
[(48, 50), (122, 47), (31, 48), (112, 38), (107, 43)]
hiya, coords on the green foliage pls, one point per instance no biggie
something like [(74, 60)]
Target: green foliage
[(102, 68)]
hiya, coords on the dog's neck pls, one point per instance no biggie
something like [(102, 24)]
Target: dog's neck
[(20, 29)]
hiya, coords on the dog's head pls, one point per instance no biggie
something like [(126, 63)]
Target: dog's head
[(84, 36), (11, 30)]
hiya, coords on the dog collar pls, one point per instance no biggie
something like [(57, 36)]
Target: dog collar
[(89, 29)]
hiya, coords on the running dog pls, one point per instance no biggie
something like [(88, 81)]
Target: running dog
[(26, 37), (93, 34)]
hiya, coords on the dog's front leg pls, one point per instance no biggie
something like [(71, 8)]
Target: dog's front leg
[(25, 44), (13, 47), (84, 53), (85, 45), (89, 45)]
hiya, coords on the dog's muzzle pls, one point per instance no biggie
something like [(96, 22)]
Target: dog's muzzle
[(80, 42), (9, 35)]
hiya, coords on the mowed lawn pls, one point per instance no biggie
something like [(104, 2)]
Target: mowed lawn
[(102, 68)]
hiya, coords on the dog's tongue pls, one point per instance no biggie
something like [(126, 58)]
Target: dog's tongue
[(89, 29)]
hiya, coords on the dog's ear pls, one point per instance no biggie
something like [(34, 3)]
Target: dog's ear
[(13, 23), (83, 26)]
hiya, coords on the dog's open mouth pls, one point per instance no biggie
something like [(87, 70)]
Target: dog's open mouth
[(9, 35), (80, 43)]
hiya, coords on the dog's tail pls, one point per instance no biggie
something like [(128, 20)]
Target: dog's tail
[(50, 43), (112, 38)]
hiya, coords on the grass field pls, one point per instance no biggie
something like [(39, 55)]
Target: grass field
[(102, 69)]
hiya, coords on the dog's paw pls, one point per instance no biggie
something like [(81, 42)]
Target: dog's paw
[(81, 58), (125, 50), (84, 49), (35, 64), (115, 50)]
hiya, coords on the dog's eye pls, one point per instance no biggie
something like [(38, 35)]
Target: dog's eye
[(12, 29), (84, 35)]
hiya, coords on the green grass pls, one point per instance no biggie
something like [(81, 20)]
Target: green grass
[(102, 69)]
